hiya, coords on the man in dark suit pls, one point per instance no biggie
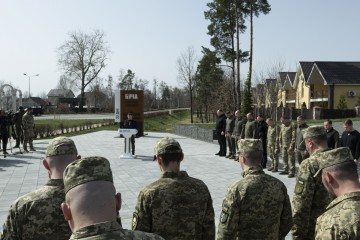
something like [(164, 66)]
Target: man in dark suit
[(220, 132), (130, 123)]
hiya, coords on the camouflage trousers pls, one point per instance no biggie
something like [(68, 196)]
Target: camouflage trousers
[(288, 159), (28, 138), (274, 156)]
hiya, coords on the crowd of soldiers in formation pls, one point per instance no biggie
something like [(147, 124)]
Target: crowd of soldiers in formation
[(79, 201), (324, 206), (19, 126)]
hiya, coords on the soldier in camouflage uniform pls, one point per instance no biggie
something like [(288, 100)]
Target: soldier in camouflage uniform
[(250, 127), (310, 198), (273, 143), (287, 142), (238, 127), (176, 206), (230, 122), (341, 220), (300, 149), (92, 203), (257, 206), (37, 215), (28, 128), (18, 126)]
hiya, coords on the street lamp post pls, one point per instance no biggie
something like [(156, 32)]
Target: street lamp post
[(29, 76)]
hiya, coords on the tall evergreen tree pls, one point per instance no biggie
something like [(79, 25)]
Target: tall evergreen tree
[(207, 78), (225, 22), (247, 103)]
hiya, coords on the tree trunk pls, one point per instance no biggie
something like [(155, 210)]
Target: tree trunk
[(191, 105), (238, 91), (251, 42)]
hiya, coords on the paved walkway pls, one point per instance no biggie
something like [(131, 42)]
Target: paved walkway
[(22, 173)]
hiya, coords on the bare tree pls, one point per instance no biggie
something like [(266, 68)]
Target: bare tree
[(186, 66), (82, 57)]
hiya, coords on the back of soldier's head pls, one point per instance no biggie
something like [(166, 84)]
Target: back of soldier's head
[(169, 150), (60, 152), (89, 188), (345, 171), (315, 133), (251, 149)]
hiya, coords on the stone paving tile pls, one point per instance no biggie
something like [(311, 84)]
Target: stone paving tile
[(22, 173)]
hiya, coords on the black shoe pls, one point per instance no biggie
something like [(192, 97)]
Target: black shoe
[(284, 173), (291, 175), (217, 153), (16, 146), (222, 155)]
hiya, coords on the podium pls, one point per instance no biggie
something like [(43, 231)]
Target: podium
[(127, 133)]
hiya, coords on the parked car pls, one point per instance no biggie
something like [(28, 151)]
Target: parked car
[(37, 111)]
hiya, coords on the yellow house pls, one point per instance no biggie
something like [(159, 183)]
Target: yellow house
[(302, 90), (334, 82)]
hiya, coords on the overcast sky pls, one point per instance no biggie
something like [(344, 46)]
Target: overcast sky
[(148, 36)]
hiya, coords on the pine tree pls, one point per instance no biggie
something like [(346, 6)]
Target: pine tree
[(247, 102), (342, 103)]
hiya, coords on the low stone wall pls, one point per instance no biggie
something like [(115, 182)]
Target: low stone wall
[(192, 131)]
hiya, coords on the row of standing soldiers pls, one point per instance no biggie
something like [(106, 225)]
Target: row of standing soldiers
[(24, 128), (287, 138)]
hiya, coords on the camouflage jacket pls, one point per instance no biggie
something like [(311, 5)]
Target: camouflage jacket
[(111, 231), (28, 122), (310, 198), (273, 136), (287, 135), (37, 215), (341, 219), (255, 207), (176, 207)]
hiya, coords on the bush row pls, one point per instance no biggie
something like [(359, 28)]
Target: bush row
[(48, 130)]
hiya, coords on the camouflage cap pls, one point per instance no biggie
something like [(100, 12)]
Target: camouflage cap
[(250, 145), (61, 146), (87, 170), (167, 145), (333, 157), (314, 131)]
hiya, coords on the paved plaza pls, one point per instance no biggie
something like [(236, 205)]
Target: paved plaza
[(22, 173)]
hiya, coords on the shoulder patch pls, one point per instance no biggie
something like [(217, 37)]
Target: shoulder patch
[(299, 187), (224, 213)]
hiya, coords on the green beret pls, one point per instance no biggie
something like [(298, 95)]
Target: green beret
[(167, 145), (333, 157), (250, 145), (61, 146), (314, 131), (87, 170)]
